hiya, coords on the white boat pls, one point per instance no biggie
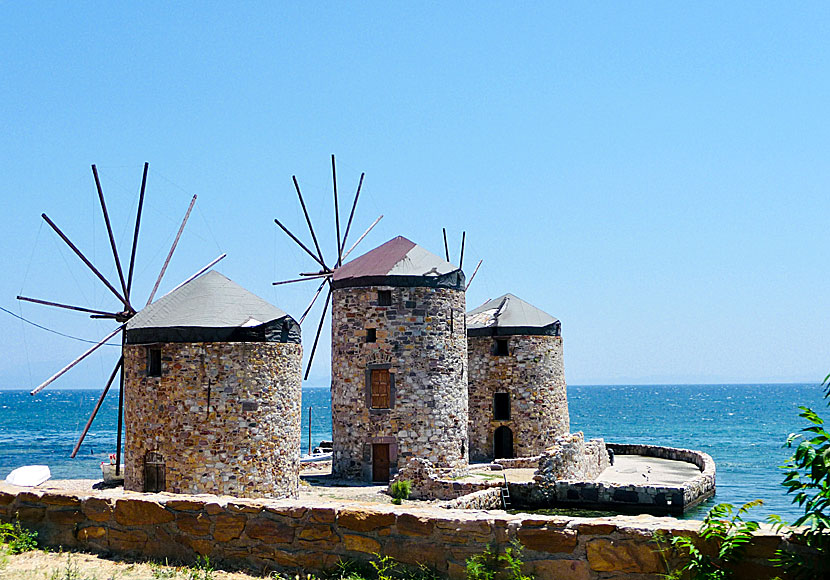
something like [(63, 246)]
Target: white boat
[(29, 475), (108, 473), (316, 456)]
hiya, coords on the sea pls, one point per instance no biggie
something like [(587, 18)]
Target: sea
[(743, 427)]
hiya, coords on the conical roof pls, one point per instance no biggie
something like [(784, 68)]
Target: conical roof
[(211, 308), (510, 315), (399, 262)]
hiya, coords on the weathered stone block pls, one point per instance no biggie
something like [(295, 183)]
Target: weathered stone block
[(65, 517), (269, 531), (134, 512), (622, 556), (97, 509), (228, 527), (561, 569), (91, 533), (364, 520), (410, 525), (184, 505), (198, 525), (60, 500), (355, 543), (317, 532), (126, 540), (549, 540)]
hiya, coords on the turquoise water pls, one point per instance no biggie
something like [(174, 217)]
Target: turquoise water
[(742, 427)]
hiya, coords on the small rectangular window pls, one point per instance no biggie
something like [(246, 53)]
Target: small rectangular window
[(153, 362), (501, 406), (371, 335), (384, 298), (501, 347), (381, 389)]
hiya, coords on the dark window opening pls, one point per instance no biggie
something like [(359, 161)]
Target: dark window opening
[(501, 347), (501, 406), (153, 362), (381, 389), (371, 335), (503, 443), (384, 298)]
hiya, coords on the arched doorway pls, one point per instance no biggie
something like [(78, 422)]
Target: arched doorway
[(503, 443)]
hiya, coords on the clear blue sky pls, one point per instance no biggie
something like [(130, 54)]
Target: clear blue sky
[(654, 175)]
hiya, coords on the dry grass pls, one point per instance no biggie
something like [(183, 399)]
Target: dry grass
[(40, 565)]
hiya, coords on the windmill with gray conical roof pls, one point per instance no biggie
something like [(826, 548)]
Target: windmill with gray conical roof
[(518, 397), (212, 393)]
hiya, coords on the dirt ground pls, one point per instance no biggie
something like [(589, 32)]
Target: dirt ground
[(40, 565)]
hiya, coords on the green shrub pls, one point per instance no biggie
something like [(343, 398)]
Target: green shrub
[(725, 530), (489, 565), (808, 478), (17, 538), (400, 489)]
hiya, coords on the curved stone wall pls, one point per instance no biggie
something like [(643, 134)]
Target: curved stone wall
[(420, 338), (223, 418), (533, 374)]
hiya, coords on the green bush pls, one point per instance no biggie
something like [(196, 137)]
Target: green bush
[(808, 478), (17, 538), (400, 489), (489, 565), (725, 530)]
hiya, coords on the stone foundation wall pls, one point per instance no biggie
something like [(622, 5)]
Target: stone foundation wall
[(429, 482), (571, 457), (289, 536), (534, 376), (619, 497), (421, 339), (486, 499), (225, 417), (520, 462)]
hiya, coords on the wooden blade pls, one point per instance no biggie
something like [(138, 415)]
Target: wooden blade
[(61, 372), (310, 304), (302, 245), (360, 239), (351, 214), (308, 219), (67, 306), (461, 259), (446, 247), (97, 407), (470, 281), (200, 272), (336, 213), (137, 225), (317, 337), (85, 261), (109, 231), (313, 277), (172, 249)]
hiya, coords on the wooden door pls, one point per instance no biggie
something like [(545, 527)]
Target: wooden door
[(154, 472), (381, 389), (380, 462)]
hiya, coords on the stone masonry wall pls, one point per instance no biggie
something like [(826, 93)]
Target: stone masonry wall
[(533, 373), (663, 499), (224, 416), (421, 338), (289, 536)]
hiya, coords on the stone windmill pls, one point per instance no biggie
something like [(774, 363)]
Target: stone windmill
[(128, 303)]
